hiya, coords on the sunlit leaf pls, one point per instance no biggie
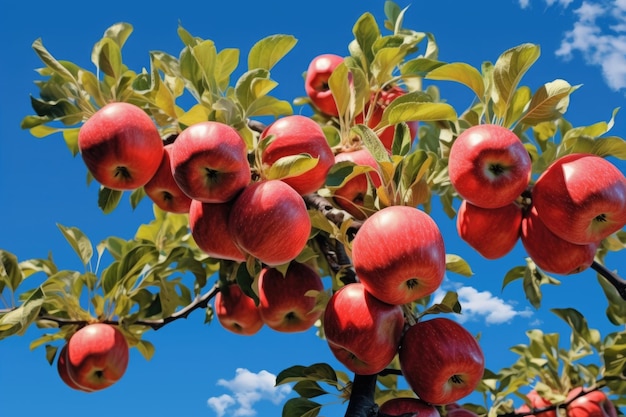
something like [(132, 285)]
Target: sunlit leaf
[(462, 73), (78, 241), (269, 51)]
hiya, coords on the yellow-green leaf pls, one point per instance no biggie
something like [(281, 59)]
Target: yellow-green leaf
[(462, 73), (268, 51)]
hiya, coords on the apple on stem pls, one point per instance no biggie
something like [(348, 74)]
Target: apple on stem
[(316, 83), (593, 404), (441, 361), (362, 332), (210, 162), (407, 406), (121, 146), (163, 190), (236, 311), (398, 255), (97, 356), (489, 166), (288, 303), (581, 198)]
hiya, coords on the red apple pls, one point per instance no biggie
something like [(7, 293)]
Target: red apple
[(489, 166), (491, 232), (551, 253), (269, 220), (237, 312), (284, 304), (163, 190), (210, 162), (398, 254), (64, 373), (408, 406), (295, 135), (350, 195), (381, 101), (537, 402), (121, 146), (208, 223), (593, 404), (441, 361), (459, 412), (316, 82), (363, 333), (97, 356), (581, 198)]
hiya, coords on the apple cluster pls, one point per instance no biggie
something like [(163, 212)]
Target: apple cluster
[(579, 200), (579, 403), (95, 357)]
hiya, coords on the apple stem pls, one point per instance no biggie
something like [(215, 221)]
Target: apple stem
[(618, 282)]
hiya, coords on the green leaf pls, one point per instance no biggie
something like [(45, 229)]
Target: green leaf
[(269, 106), (456, 264), (426, 112), (51, 62), (366, 33), (301, 407), (268, 51), (582, 335), (548, 103), (108, 199), (513, 274), (79, 242), (10, 272), (321, 372), (291, 166), (534, 278), (462, 73), (107, 57), (18, 320), (610, 146), (507, 73), (372, 143), (145, 348), (309, 389), (420, 67)]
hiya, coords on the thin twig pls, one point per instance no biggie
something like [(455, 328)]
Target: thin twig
[(618, 282)]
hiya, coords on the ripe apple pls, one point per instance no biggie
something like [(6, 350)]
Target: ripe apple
[(408, 406), (363, 333), (550, 252), (398, 254), (441, 361), (64, 373), (163, 190), (489, 166), (208, 223), (350, 195), (269, 220), (316, 82), (380, 102), (236, 311), (459, 412), (284, 304), (491, 232), (97, 356), (581, 198), (295, 135), (537, 402), (210, 162), (593, 404), (121, 146)]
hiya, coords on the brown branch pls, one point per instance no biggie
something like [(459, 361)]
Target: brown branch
[(618, 282), (199, 302)]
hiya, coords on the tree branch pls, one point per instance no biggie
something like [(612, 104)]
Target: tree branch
[(361, 402), (618, 282)]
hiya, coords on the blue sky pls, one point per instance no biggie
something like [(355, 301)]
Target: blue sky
[(202, 370)]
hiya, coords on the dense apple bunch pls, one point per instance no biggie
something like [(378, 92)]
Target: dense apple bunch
[(579, 200)]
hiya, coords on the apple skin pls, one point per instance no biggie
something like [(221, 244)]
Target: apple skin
[(581, 198), (64, 373), (237, 312), (210, 162), (362, 332), (316, 83), (295, 135), (460, 412), (97, 356), (491, 232), (163, 190), (208, 223), (412, 261), (349, 196), (380, 102), (260, 213), (489, 166), (403, 406), (593, 404), (441, 361), (121, 146), (284, 304), (551, 253)]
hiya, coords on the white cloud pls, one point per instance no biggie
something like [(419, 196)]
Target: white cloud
[(247, 388), (484, 305), (599, 35)]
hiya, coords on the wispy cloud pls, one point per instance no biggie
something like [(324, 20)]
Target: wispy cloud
[(246, 389), (483, 305), (599, 35)]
